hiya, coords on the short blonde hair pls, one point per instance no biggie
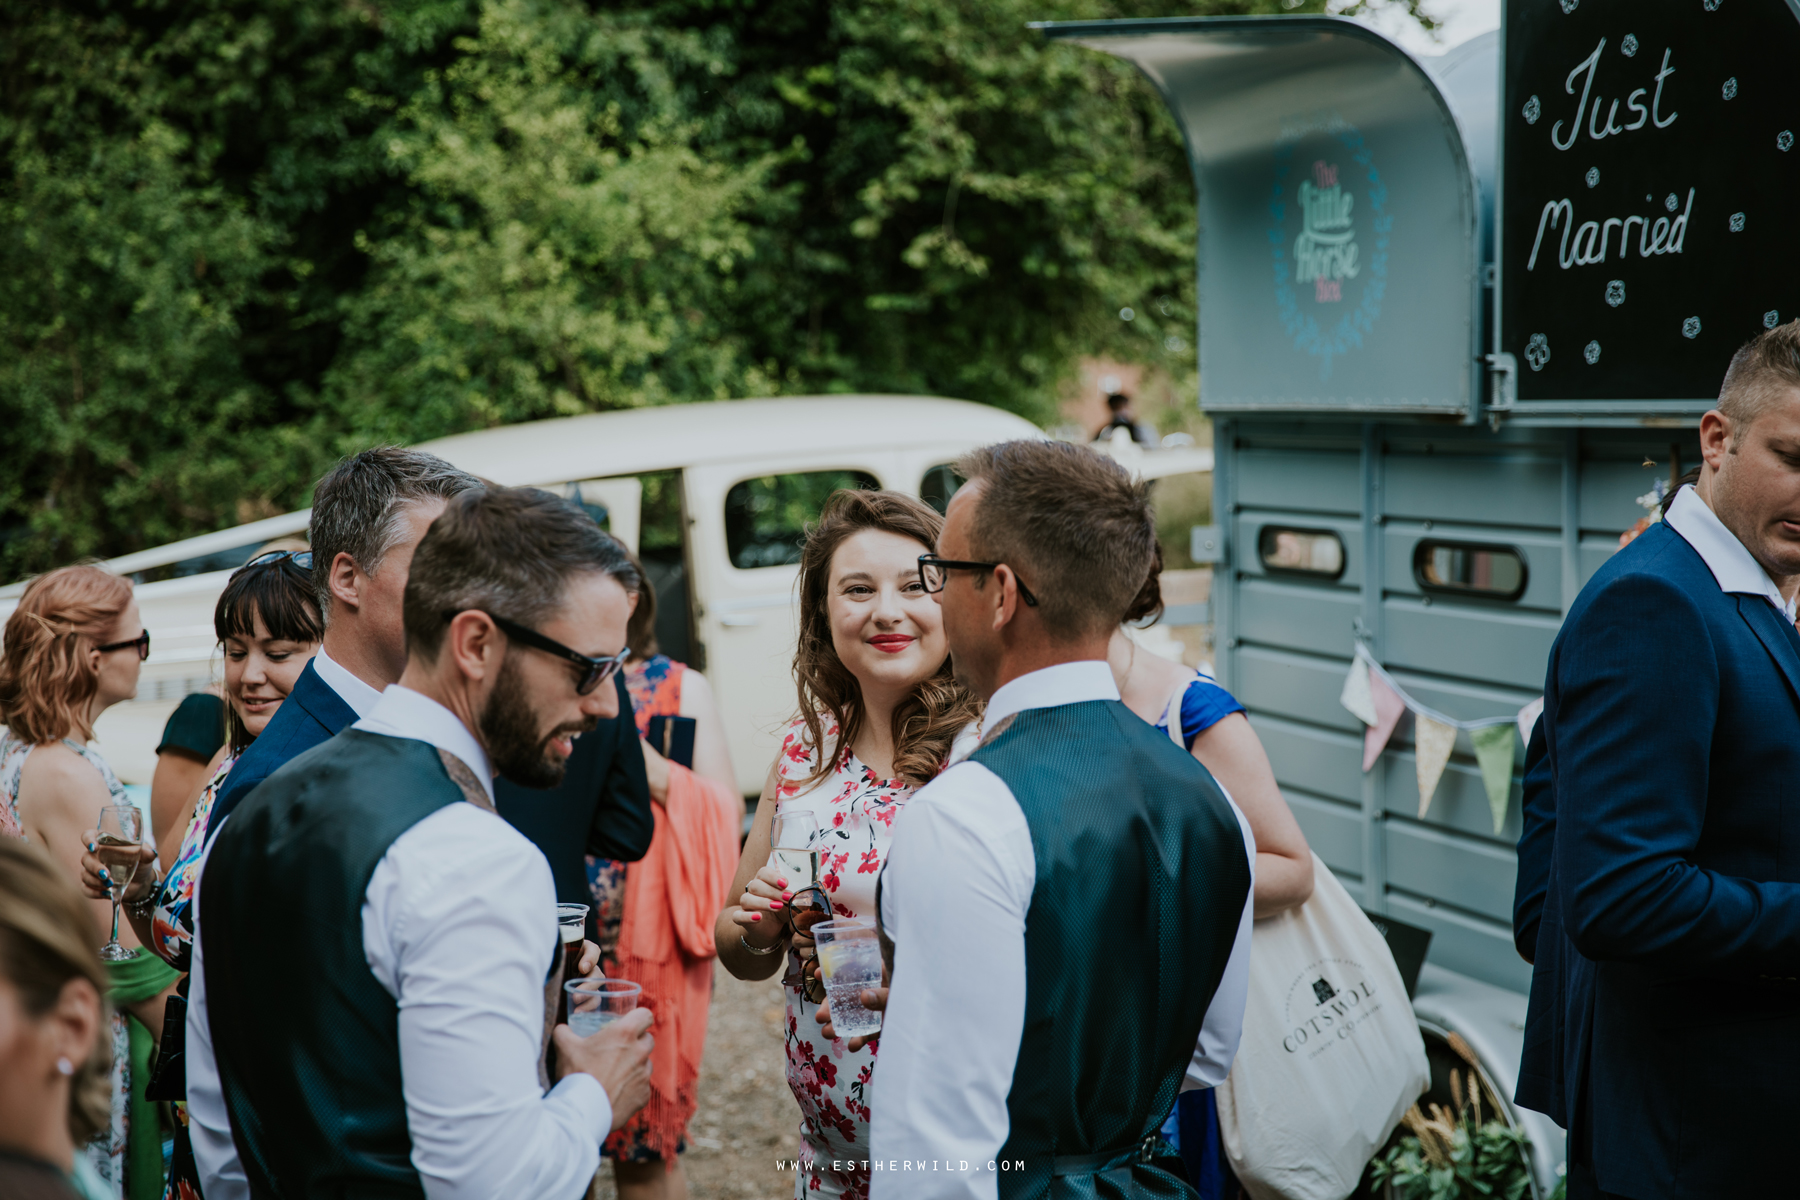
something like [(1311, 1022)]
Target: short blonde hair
[(1762, 369), (46, 681), (47, 938)]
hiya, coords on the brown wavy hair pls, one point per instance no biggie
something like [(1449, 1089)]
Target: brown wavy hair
[(47, 939), (928, 720), (46, 683)]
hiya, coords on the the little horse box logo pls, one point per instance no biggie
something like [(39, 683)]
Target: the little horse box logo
[(1328, 234), (1326, 1003), (1325, 251)]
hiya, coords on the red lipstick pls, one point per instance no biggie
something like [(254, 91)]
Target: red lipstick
[(891, 643)]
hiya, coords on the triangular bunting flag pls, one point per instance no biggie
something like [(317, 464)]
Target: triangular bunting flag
[(1388, 707), (1528, 718), (1494, 751), (1433, 740), (1356, 695)]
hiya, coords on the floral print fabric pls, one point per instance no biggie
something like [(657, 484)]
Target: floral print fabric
[(856, 812), (172, 932)]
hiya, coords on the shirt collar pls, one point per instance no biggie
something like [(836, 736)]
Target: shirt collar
[(1065, 683), (1736, 570), (361, 698), (404, 713)]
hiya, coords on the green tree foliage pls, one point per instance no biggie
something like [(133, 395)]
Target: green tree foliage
[(239, 239)]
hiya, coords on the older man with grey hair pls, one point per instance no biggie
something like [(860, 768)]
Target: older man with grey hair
[(369, 512)]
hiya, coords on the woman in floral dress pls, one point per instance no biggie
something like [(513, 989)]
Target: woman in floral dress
[(879, 714), (267, 622)]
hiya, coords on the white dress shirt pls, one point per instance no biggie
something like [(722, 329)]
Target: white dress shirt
[(1734, 567), (959, 879), (209, 1121), (459, 926)]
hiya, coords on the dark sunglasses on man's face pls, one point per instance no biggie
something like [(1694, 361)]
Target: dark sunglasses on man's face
[(934, 572), (593, 671), (141, 641)]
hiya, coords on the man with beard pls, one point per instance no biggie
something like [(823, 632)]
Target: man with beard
[(383, 948)]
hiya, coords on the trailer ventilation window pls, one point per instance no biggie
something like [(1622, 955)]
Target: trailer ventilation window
[(766, 519), (1313, 553), (1469, 569)]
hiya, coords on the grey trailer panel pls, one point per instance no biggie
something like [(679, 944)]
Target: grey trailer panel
[(1323, 482), (1338, 212)]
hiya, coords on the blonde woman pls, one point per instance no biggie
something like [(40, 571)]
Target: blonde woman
[(879, 712), (73, 648)]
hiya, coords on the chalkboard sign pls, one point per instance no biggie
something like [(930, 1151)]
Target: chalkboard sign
[(1650, 192)]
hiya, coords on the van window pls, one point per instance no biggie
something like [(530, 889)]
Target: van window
[(765, 519), (938, 485), (1315, 553), (1469, 569)]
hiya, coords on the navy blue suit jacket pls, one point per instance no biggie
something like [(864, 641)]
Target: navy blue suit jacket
[(312, 713), (1665, 1006)]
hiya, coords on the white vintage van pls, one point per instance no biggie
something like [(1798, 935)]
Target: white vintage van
[(713, 496)]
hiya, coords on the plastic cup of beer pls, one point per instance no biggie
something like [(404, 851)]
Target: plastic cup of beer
[(850, 962), (571, 923), (596, 1003)]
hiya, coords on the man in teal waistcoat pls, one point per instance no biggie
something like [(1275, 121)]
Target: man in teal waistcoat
[(382, 948), (1064, 905)]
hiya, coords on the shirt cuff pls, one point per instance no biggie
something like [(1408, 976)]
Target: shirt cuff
[(589, 1101)]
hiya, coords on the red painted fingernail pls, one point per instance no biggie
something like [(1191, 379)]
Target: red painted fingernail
[(774, 904), (787, 895), (756, 916), (781, 883)]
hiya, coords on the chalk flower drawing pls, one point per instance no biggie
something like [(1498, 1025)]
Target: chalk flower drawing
[(1615, 292), (1593, 176), (1737, 222), (1591, 352), (1784, 140), (1670, 202), (1537, 351), (1628, 47), (1690, 328), (1568, 6), (1533, 110), (1730, 88), (1771, 319), (1712, 5)]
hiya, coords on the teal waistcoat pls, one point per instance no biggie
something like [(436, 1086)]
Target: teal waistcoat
[(1141, 882), (307, 1040)]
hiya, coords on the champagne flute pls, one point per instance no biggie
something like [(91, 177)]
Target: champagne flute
[(793, 849), (121, 828)]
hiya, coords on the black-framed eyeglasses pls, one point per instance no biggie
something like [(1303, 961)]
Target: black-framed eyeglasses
[(300, 558), (141, 641), (594, 671), (935, 571)]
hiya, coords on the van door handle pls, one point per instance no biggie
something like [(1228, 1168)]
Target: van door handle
[(739, 621)]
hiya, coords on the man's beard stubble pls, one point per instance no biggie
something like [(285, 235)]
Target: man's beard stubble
[(519, 748)]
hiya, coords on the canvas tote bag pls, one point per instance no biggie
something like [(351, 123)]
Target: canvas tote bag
[(1331, 1055)]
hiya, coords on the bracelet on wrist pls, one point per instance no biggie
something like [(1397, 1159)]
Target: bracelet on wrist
[(145, 906), (759, 951)]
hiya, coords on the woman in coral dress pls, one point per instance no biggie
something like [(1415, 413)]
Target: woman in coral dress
[(880, 713), (656, 914)]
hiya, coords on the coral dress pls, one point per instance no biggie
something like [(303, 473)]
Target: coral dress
[(660, 921), (856, 812)]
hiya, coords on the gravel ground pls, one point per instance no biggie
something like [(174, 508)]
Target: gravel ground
[(747, 1117)]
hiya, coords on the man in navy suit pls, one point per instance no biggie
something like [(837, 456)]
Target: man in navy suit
[(369, 513), (1665, 1006)]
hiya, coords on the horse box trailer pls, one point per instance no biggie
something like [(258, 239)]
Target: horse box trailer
[(1457, 322)]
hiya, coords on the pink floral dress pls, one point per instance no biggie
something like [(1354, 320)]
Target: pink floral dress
[(856, 813)]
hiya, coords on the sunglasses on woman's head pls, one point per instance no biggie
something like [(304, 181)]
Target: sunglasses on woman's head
[(300, 558)]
